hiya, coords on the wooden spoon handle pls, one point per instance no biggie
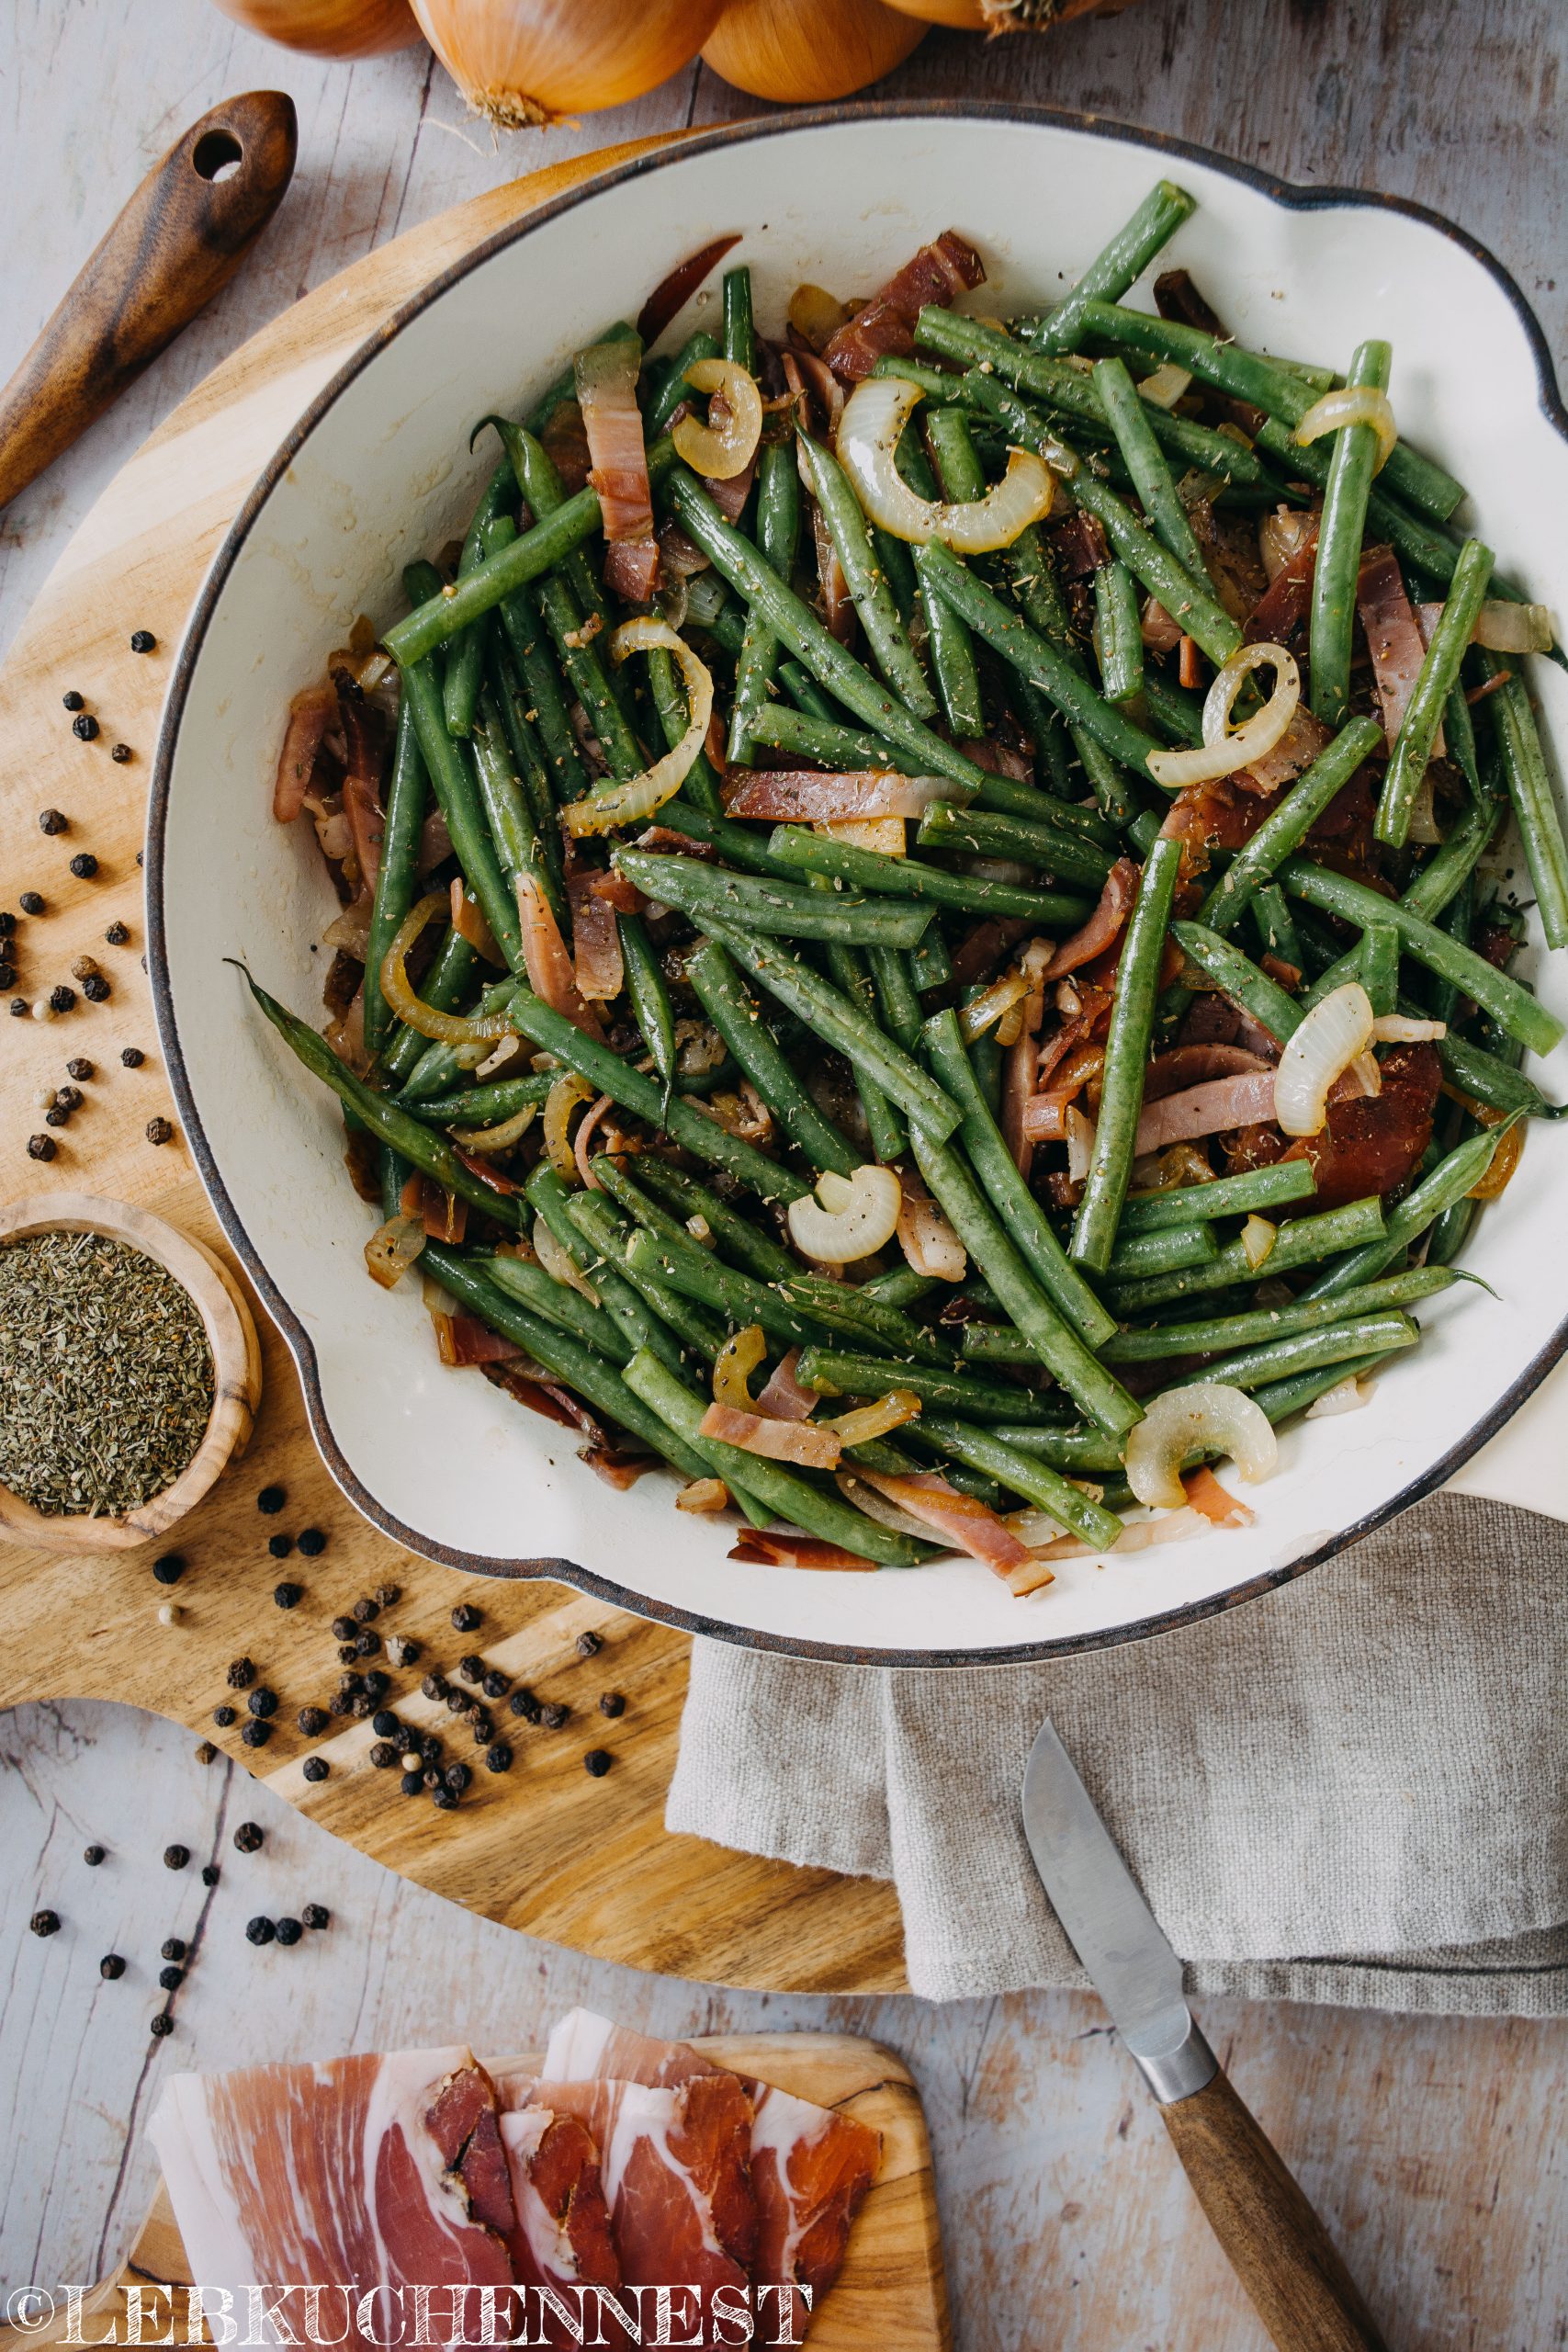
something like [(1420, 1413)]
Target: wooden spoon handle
[(1279, 2248), (177, 243)]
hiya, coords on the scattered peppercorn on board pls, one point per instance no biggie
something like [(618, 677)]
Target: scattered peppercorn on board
[(555, 1842), (893, 2269)]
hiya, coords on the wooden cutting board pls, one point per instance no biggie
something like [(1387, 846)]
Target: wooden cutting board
[(545, 1848), (890, 2290)]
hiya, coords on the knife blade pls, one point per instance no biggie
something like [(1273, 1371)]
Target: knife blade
[(1279, 2247)]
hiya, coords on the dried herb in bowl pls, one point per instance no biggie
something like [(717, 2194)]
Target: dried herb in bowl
[(107, 1379)]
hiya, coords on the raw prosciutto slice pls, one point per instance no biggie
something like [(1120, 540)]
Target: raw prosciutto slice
[(357, 2172), (561, 2239), (938, 273)]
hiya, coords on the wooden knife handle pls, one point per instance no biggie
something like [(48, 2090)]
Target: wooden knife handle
[(1279, 2250), (177, 243)]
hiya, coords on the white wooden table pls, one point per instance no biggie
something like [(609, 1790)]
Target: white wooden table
[(1433, 2146)]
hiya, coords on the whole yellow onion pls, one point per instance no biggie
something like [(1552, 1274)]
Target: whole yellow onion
[(521, 62), (803, 51), (328, 27)]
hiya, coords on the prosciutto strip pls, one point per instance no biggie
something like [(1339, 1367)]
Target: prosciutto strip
[(962, 1521), (468, 922), (1206, 1109), (1393, 638), (760, 1547), (1297, 748), (938, 273), (782, 1394), (357, 2173), (798, 1442), (1194, 1065), (561, 2239), (596, 943), (310, 716), (550, 967), (674, 290), (606, 390), (1117, 899), (802, 796), (1283, 603), (364, 747), (1220, 1507)]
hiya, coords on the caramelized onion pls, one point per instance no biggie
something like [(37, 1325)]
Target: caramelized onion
[(866, 1422), (392, 1249), (630, 803), (1225, 752), (1327, 1041), (721, 452), (869, 431), (450, 1028), (1355, 404), (733, 1367), (559, 1102), (500, 1138)]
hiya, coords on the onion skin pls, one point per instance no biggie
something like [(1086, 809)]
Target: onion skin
[(527, 63), (803, 51), (340, 29), (1001, 15)]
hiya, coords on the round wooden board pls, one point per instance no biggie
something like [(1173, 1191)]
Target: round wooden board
[(544, 1847)]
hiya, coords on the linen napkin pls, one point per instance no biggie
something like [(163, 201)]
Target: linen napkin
[(1351, 1790)]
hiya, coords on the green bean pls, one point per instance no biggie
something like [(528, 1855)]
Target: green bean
[(410, 1061), (985, 1054), (1260, 1325), (1256, 1188), (737, 1017), (930, 967), (673, 711), (695, 1274), (647, 995), (739, 335), (1341, 531), (1178, 713), (1067, 856), (464, 660), (593, 1247), (1511, 1006), (511, 820), (841, 1024), (533, 766), (1289, 822), (511, 567), (1021, 1214), (589, 680), (527, 1282), (1449, 867), (1128, 417), (1438, 678), (778, 530), (751, 1248), (1301, 1241), (420, 582), (737, 844), (397, 876), (1126, 1052), (1078, 1453), (1276, 927), (674, 388), (1237, 976), (885, 631), (835, 1373), (952, 647), (1306, 1351), (994, 1452), (1118, 631), (909, 878), (1490, 1078), (387, 1120), (897, 995), (782, 908), (888, 1136), (482, 1106), (1267, 385), (1379, 967), (901, 1286), (1072, 394), (1119, 265), (786, 1494), (808, 697), (450, 766), (1282, 1398), (799, 628), (699, 1334), (1534, 802), (545, 704), (1452, 1178), (608, 1074), (1451, 1232), (844, 750), (1162, 1252), (1005, 628)]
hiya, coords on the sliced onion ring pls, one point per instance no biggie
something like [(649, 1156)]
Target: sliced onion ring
[(869, 431), (848, 1217), (991, 1004), (450, 1028), (865, 1499), (560, 1264), (1504, 628), (564, 1096), (1223, 753), (1400, 1029), (1208, 1418), (630, 803), (1330, 1038), (392, 1249), (866, 1422), (500, 1138), (1355, 404), (1165, 386), (733, 1367), (721, 452)]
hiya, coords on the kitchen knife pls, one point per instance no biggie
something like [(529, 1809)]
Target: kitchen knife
[(1276, 2243)]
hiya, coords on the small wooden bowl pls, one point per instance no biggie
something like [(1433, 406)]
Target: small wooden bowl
[(236, 1367)]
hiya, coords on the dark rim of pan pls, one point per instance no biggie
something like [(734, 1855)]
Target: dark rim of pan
[(1158, 144)]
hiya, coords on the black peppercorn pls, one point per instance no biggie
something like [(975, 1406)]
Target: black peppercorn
[(224, 1717), (119, 753), (436, 1685), (311, 1721), (289, 1931), (117, 935), (359, 1708), (132, 1056), (41, 1146), (498, 1758), (466, 1618), (316, 1768), (351, 1683), (346, 1653), (256, 1733), (377, 1685), (343, 1629), (312, 1543), (386, 1594), (484, 1731), (338, 1703), (458, 1777), (93, 1856), (363, 1609), (386, 1725), (52, 820), (241, 1674), (383, 1755), (430, 1778), (523, 1704), (163, 2025), (367, 1643), (79, 1067), (45, 1923), (248, 1837), (169, 1567), (263, 1702), (446, 1799), (471, 1668), (7, 975), (259, 1931), (204, 1752), (316, 1915), (57, 1117), (496, 1685), (401, 1651), (171, 1979), (95, 988), (429, 1745), (20, 1008), (271, 1499), (84, 726), (74, 701), (412, 1783), (159, 1130), (8, 922), (553, 1717), (280, 1546), (210, 1874), (175, 1857), (173, 1947), (31, 903), (611, 1703), (287, 1596), (84, 865), (143, 641), (457, 1702), (111, 1967), (590, 1645), (63, 998), (598, 1761)]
